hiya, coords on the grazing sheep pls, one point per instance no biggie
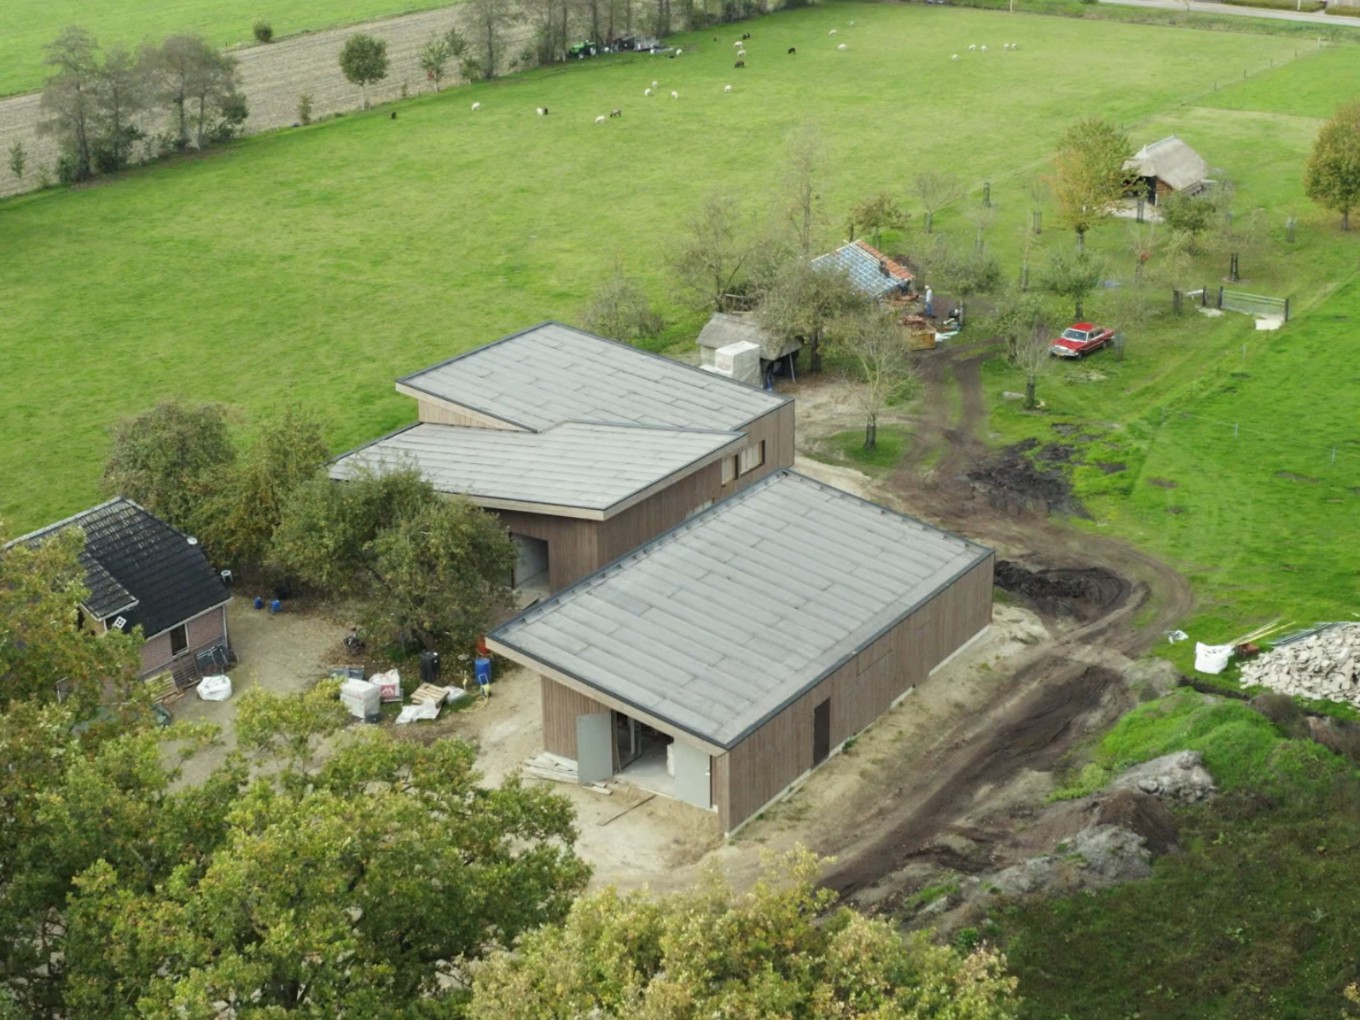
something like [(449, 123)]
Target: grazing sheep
[(793, 50), (740, 63), (727, 88), (678, 51), (476, 107), (832, 32), (541, 111), (655, 84), (971, 47), (954, 57), (737, 44), (1015, 45), (616, 113), (745, 36), (394, 114), (599, 119), (675, 95), (982, 49), (646, 92), (741, 53), (842, 46)]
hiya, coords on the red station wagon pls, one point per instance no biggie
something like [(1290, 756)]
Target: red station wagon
[(1080, 338)]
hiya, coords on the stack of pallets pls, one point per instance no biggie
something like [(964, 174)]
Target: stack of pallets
[(557, 769)]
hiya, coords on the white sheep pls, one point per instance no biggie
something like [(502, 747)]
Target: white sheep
[(739, 44), (954, 57), (832, 32), (741, 53), (982, 48), (675, 95), (656, 84), (678, 51), (646, 92), (540, 111), (600, 119), (842, 46), (972, 47), (727, 88), (476, 107)]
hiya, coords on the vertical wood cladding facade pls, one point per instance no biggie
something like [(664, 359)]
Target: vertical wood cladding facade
[(766, 763), (578, 547), (762, 766)]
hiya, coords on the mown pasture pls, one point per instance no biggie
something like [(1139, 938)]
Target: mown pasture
[(317, 264)]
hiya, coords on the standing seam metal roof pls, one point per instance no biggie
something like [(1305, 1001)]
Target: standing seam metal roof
[(553, 373), (718, 624), (584, 465)]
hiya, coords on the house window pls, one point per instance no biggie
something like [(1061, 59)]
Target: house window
[(729, 469), (179, 639), (751, 458)]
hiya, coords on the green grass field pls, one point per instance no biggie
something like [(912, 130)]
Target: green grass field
[(29, 25)]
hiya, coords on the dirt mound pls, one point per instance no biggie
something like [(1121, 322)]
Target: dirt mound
[(1016, 485), (1141, 813), (1082, 594)]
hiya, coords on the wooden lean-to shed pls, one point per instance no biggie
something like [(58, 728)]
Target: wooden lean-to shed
[(1168, 166), (726, 658)]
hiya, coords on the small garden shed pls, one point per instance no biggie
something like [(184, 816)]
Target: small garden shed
[(1167, 166)]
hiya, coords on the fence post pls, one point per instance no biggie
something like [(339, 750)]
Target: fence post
[(1220, 297), (1038, 222), (1286, 309), (987, 193), (1290, 225), (1176, 301)]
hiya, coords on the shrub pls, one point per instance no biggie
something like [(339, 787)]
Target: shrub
[(305, 108), (264, 31)]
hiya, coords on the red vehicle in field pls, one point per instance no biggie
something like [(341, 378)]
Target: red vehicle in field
[(1080, 338)]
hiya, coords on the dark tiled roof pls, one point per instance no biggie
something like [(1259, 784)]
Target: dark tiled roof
[(140, 568), (872, 272)]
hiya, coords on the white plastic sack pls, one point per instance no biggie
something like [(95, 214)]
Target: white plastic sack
[(417, 713), (215, 688), (1212, 658), (389, 684)]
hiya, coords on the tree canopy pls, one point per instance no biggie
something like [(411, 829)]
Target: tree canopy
[(1332, 176), (363, 60), (710, 953), (1088, 173)]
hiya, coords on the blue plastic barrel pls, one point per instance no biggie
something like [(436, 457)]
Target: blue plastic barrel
[(259, 602), (275, 606), (482, 670)]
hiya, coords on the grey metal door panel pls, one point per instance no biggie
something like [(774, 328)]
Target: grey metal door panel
[(594, 747), (692, 782)]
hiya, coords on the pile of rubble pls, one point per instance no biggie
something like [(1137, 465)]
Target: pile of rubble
[(1324, 665)]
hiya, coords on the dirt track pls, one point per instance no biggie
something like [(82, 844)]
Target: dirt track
[(273, 78), (984, 766)]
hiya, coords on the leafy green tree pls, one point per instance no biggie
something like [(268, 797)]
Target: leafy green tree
[(246, 501), (41, 588), (801, 301), (879, 213), (710, 953), (430, 571), (1016, 314), (1192, 215), (437, 51), (1332, 176), (363, 60), (171, 459), (1073, 277), (620, 310), (18, 159), (69, 101), (1088, 173)]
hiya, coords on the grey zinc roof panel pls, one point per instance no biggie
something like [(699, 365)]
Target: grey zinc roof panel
[(861, 267), (576, 464), (554, 373), (720, 622)]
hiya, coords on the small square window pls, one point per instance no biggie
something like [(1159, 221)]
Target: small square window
[(179, 639)]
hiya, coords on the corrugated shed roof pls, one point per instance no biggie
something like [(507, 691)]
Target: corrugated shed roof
[(1170, 160), (731, 328), (580, 465), (553, 373), (872, 272), (724, 620), (139, 567)]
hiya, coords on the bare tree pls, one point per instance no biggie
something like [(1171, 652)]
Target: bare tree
[(935, 191), (804, 162), (620, 310), (195, 79), (711, 258), (487, 22), (1033, 358), (961, 271), (69, 100), (872, 338)]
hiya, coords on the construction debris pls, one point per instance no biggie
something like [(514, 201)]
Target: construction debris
[(557, 769), (1324, 665), (430, 694)]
